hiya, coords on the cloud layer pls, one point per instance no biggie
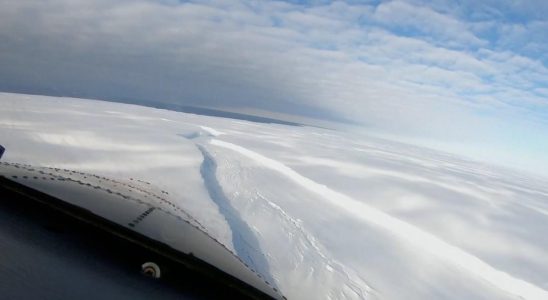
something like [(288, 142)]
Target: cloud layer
[(472, 73)]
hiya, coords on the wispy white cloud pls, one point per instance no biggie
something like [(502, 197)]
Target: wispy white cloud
[(440, 70), (425, 22)]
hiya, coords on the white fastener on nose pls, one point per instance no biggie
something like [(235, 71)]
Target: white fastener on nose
[(151, 269)]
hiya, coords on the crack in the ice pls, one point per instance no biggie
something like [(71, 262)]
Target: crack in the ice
[(244, 240)]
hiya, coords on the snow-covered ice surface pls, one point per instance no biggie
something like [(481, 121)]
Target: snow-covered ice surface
[(322, 214)]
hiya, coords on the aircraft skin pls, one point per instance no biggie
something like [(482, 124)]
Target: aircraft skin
[(136, 211)]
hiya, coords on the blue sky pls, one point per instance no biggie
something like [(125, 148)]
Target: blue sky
[(469, 77)]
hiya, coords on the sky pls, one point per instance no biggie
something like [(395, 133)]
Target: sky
[(467, 77)]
